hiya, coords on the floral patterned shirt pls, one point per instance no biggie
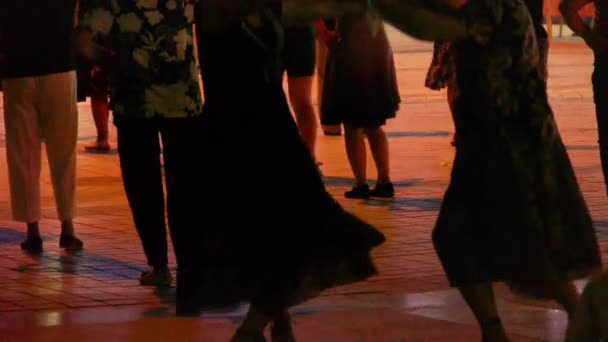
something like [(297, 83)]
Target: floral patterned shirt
[(150, 55)]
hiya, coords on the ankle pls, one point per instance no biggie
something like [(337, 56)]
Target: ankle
[(33, 229), (493, 330), (160, 269), (67, 227)]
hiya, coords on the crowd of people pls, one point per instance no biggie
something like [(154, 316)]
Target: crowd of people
[(513, 211)]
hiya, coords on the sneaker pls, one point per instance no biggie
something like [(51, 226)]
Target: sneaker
[(32, 244), (383, 190), (70, 242), (359, 191), (160, 278)]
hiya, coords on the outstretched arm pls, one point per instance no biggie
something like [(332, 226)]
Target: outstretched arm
[(418, 21), (215, 15), (570, 10)]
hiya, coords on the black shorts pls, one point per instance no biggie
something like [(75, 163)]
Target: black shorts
[(299, 53)]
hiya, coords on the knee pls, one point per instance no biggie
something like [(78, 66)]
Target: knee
[(302, 107), (374, 133)]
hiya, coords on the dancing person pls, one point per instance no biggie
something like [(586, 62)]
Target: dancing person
[(597, 39), (293, 240), (513, 211)]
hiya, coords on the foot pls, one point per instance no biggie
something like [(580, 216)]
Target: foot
[(99, 147), (383, 190), (359, 191), (242, 335), (32, 244), (70, 242), (282, 331), (493, 331), (160, 277)]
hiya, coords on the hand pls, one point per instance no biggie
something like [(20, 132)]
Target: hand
[(331, 38), (85, 45), (327, 36)]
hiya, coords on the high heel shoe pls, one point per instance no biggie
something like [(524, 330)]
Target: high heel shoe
[(282, 331), (493, 331), (242, 335)]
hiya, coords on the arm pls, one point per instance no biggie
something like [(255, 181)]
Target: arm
[(303, 11), (94, 20), (326, 35), (570, 10), (215, 15), (416, 20)]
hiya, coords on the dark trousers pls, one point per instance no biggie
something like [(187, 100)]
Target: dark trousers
[(139, 151), (600, 89)]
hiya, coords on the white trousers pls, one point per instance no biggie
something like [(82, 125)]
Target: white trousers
[(36, 110)]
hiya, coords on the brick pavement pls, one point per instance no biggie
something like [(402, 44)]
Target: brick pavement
[(411, 284)]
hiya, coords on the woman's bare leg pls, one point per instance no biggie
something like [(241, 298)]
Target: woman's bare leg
[(355, 150), (480, 298), (378, 144)]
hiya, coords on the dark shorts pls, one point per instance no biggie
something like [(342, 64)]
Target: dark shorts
[(299, 53)]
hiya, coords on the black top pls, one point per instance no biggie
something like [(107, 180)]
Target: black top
[(37, 37), (536, 11)]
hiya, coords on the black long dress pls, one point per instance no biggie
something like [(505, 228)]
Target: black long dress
[(271, 234)]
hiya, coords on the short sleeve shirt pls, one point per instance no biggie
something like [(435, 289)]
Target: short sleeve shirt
[(36, 37), (150, 55)]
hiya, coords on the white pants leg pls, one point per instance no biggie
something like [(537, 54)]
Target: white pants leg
[(23, 143), (59, 127), (37, 107)]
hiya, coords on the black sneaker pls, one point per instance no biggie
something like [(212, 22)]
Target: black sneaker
[(359, 191), (383, 190), (32, 244)]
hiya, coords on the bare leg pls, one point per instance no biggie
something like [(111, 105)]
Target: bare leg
[(451, 99), (300, 90), (355, 150), (480, 298), (378, 144), (101, 114)]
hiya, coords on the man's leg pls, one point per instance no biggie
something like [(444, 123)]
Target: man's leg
[(184, 152), (139, 154), (600, 88), (59, 126), (23, 155)]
